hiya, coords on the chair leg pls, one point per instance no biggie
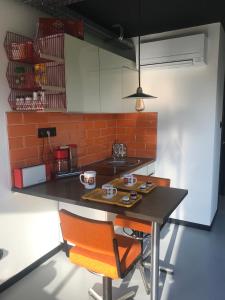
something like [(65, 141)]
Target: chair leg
[(168, 270), (128, 295), (146, 255), (94, 294), (107, 292), (144, 279)]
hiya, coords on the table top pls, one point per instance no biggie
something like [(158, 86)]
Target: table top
[(155, 206)]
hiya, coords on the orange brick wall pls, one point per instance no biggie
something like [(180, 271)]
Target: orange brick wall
[(93, 133), (139, 132)]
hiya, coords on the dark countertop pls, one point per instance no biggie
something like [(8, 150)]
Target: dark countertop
[(107, 169), (155, 206)]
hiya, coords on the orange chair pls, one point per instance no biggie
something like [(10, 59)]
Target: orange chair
[(141, 229), (99, 250)]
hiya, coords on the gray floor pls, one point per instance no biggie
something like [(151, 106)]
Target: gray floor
[(198, 257)]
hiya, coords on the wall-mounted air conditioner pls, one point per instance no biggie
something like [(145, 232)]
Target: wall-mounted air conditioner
[(174, 52)]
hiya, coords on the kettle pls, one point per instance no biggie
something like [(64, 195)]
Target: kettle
[(119, 151)]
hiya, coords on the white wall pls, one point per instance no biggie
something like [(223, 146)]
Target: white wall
[(23, 219), (189, 107), (219, 108)]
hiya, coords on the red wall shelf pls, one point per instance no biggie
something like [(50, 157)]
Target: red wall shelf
[(49, 101), (23, 76), (44, 49), (36, 66)]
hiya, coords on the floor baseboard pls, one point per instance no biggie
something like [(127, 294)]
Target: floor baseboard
[(190, 224), (8, 283)]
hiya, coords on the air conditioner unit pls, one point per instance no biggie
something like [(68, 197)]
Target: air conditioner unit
[(174, 52)]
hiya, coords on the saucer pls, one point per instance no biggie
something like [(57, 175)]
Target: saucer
[(126, 199), (143, 186)]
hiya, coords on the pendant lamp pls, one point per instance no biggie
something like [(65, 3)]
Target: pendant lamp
[(139, 96)]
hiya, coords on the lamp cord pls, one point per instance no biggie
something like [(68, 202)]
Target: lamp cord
[(139, 44), (139, 63)]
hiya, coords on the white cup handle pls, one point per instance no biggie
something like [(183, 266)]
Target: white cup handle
[(115, 189), (81, 179)]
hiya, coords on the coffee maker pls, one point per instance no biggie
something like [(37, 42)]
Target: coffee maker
[(65, 161)]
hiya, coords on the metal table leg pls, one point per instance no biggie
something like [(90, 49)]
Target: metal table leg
[(155, 238), (107, 288)]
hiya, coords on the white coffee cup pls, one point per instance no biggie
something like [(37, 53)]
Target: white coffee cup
[(88, 179), (129, 179), (109, 191)]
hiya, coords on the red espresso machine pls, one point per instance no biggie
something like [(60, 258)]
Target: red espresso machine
[(65, 161)]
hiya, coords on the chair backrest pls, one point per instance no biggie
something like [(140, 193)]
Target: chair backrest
[(157, 180), (88, 234)]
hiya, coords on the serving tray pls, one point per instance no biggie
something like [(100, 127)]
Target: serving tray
[(97, 196), (119, 184)]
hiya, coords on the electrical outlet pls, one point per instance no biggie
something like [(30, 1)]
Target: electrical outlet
[(45, 132)]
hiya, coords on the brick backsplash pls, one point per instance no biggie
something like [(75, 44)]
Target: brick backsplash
[(93, 133)]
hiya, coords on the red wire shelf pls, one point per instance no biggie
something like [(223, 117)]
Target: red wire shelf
[(23, 49), (24, 101), (36, 71), (18, 47), (50, 48), (43, 76), (20, 76)]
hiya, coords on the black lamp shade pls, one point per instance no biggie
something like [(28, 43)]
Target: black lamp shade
[(139, 95)]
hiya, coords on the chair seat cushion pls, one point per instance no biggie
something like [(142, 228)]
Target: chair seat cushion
[(133, 223), (104, 264)]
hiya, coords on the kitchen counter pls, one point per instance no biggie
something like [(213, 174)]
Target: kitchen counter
[(108, 168), (155, 206)]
